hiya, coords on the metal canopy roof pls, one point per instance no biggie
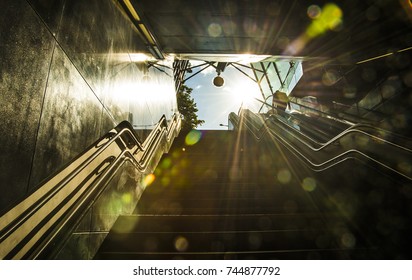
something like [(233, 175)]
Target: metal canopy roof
[(268, 27)]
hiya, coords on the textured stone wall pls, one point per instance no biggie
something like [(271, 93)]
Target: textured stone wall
[(67, 76)]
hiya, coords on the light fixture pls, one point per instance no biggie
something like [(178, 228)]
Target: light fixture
[(218, 81), (144, 31)]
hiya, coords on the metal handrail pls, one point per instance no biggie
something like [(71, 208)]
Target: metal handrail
[(18, 237), (330, 114), (352, 129), (322, 166)]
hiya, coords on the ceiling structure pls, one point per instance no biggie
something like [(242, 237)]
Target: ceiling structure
[(366, 28), (347, 48)]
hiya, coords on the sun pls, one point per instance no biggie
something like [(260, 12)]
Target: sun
[(246, 91)]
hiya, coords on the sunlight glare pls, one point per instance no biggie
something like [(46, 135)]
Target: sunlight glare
[(246, 91)]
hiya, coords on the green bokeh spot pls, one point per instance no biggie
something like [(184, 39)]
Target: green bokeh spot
[(193, 137)]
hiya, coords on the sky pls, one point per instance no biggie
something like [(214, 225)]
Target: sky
[(215, 104)]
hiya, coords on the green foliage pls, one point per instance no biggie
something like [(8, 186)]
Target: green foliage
[(188, 108)]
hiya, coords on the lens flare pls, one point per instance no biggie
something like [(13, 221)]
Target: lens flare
[(348, 240), (166, 163), (284, 176), (181, 243), (309, 184), (127, 198), (214, 30), (193, 137), (165, 181), (314, 11), (148, 180), (329, 19)]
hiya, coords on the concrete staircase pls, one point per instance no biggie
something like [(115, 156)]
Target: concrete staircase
[(229, 197)]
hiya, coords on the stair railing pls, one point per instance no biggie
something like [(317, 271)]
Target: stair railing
[(33, 228), (352, 153)]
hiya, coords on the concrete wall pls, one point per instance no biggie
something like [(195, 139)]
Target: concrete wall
[(67, 76)]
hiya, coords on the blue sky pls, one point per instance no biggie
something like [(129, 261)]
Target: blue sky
[(215, 104)]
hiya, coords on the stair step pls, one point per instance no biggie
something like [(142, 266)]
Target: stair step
[(200, 223), (325, 254), (212, 202), (222, 242)]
